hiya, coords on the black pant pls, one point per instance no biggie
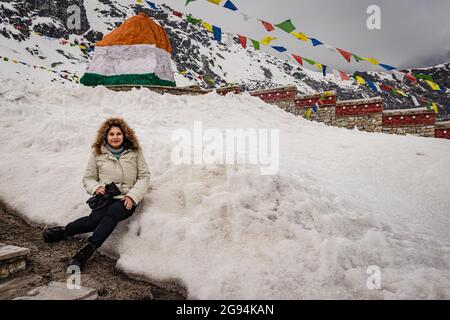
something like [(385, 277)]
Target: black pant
[(102, 222)]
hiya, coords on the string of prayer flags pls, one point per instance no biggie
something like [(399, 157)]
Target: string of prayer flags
[(217, 33), (243, 41), (286, 26), (230, 5), (269, 27)]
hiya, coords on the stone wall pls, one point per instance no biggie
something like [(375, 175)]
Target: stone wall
[(283, 97), (418, 121), (324, 110), (442, 130), (364, 114)]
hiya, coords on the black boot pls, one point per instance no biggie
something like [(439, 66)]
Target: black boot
[(54, 234), (83, 254)]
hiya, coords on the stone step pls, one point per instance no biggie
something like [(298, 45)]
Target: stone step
[(59, 291), (12, 259)]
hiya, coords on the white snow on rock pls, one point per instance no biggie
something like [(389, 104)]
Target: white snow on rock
[(343, 200)]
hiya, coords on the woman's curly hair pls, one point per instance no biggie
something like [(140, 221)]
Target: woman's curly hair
[(130, 139)]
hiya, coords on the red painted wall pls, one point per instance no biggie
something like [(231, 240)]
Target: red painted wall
[(359, 109), (410, 119)]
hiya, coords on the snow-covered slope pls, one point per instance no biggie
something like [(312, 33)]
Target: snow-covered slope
[(194, 51), (343, 200)]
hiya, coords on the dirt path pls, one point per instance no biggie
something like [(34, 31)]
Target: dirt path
[(47, 262)]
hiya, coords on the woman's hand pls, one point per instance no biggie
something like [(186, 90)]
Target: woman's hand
[(100, 190), (128, 202)]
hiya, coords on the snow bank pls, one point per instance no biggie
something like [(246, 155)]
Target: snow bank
[(342, 201)]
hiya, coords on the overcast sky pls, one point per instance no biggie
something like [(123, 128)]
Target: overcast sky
[(414, 33)]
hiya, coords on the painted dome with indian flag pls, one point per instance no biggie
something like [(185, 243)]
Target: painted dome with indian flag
[(138, 52)]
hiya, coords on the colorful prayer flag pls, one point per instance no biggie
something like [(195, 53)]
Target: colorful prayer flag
[(255, 44), (269, 27), (267, 40), (360, 80), (315, 42), (433, 85), (215, 1), (387, 67), (357, 58), (243, 41), (230, 5), (207, 26), (286, 26), (279, 49), (192, 20), (298, 59), (311, 62), (300, 36), (423, 76), (345, 54), (372, 61), (217, 33)]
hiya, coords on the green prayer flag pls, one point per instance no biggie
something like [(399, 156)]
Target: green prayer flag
[(357, 58), (192, 20), (311, 62), (5, 59), (423, 76), (286, 26), (255, 44), (189, 1)]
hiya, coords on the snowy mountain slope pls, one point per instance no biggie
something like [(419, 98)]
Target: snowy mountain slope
[(343, 200), (194, 50)]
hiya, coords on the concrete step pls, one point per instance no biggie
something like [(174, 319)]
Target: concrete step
[(12, 259), (59, 291)]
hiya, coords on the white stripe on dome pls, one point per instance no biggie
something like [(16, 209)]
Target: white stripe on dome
[(131, 59)]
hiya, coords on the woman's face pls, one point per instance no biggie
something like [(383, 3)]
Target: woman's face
[(115, 137)]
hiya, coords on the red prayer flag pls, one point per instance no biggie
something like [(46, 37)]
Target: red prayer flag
[(343, 75), (243, 41), (269, 27), (298, 58), (345, 54), (177, 13), (411, 77), (387, 88)]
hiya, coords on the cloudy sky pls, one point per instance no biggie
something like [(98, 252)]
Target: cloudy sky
[(414, 33)]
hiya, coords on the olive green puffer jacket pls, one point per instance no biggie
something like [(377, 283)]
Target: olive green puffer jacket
[(130, 173)]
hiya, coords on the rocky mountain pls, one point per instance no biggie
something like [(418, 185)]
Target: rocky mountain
[(40, 33)]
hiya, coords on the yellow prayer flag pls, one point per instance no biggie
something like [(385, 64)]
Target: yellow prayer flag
[(308, 113), (319, 66), (267, 40), (15, 61), (401, 93), (433, 85), (360, 80), (300, 36), (215, 1), (139, 1), (207, 26), (435, 107), (183, 72), (82, 47), (372, 61)]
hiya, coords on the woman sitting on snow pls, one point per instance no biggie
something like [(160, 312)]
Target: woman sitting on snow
[(116, 157)]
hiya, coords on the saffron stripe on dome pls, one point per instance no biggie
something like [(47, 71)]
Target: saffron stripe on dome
[(148, 79), (134, 59), (139, 29)]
